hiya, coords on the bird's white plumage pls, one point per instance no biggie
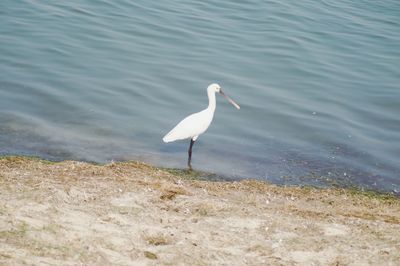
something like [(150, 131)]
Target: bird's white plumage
[(197, 123), (190, 127)]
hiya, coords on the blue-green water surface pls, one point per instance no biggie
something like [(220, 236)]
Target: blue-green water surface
[(318, 83)]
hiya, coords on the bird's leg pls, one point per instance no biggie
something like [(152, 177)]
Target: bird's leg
[(190, 154)]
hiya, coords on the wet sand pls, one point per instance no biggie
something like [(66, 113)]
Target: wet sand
[(75, 213)]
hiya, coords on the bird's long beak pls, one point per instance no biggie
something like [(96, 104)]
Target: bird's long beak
[(229, 99)]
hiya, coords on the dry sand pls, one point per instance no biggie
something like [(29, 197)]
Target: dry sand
[(74, 213)]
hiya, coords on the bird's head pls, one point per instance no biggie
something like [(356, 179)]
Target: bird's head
[(216, 88)]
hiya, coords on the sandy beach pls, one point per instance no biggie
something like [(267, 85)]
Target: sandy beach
[(75, 213)]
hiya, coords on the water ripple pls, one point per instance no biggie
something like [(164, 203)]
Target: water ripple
[(317, 82)]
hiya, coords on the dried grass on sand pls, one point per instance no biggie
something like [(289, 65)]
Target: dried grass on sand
[(130, 213)]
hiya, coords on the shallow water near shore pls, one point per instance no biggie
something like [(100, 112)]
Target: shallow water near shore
[(318, 83)]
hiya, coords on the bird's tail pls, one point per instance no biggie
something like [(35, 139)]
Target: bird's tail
[(168, 137)]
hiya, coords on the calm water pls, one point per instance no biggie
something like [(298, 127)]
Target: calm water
[(318, 83)]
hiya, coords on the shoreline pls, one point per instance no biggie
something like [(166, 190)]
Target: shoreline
[(63, 213), (205, 175)]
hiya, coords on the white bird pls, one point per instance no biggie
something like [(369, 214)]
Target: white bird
[(197, 123)]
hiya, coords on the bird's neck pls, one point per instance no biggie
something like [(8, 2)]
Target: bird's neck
[(211, 101)]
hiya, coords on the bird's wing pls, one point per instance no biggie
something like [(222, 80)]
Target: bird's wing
[(191, 126)]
